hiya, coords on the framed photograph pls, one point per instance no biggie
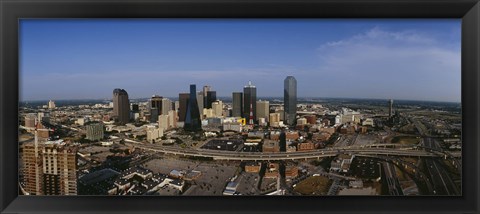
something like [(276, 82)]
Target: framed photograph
[(247, 107)]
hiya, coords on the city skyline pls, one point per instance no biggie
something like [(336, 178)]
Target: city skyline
[(378, 59)]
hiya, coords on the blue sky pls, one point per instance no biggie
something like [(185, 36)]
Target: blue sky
[(414, 59)]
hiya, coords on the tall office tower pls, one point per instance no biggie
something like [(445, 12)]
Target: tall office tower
[(237, 104), (155, 108), (51, 104), (206, 89), (182, 106), (290, 99), (192, 119), (200, 101), (217, 107), (263, 109), (249, 100), (166, 106), (59, 169), (211, 97), (390, 110), (94, 131), (121, 106)]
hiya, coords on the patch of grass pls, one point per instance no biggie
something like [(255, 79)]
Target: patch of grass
[(317, 185)]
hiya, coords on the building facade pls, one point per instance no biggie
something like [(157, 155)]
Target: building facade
[(192, 118), (94, 131), (249, 101), (290, 100), (237, 104), (263, 109), (121, 106), (182, 108)]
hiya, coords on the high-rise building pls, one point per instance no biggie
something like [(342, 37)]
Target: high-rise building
[(163, 121), (206, 89), (390, 109), (172, 118), (51, 104), (94, 131), (263, 109), (59, 170), (192, 119), (290, 99), (200, 100), (155, 108), (166, 106), (121, 106), (182, 106), (237, 104), (49, 168), (249, 100), (217, 107), (211, 97)]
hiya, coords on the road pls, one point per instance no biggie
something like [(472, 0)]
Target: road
[(442, 183), (257, 156)]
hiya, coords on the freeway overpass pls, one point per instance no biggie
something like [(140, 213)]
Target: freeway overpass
[(259, 156)]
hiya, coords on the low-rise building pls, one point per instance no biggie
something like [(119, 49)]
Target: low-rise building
[(270, 146), (253, 167)]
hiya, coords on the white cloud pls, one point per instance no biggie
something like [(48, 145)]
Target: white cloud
[(385, 64)]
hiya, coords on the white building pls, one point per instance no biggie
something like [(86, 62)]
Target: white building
[(154, 134), (163, 121)]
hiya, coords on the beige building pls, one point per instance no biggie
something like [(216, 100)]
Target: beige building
[(49, 168), (217, 108), (274, 119), (263, 109)]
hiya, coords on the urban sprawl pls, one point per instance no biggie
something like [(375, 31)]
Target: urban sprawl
[(201, 144)]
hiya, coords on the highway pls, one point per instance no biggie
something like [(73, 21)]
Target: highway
[(442, 183), (258, 156)]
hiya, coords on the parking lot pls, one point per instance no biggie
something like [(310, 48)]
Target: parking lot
[(228, 145)]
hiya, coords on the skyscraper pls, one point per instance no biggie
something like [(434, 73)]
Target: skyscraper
[(263, 109), (249, 101), (155, 108), (206, 89), (237, 104), (211, 97), (390, 109), (200, 100), (290, 99), (182, 107), (121, 106), (166, 106), (217, 108), (192, 119)]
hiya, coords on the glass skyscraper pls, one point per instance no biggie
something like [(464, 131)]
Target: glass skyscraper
[(192, 119), (249, 100), (290, 99)]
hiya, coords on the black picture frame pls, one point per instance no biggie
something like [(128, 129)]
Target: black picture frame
[(13, 10)]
